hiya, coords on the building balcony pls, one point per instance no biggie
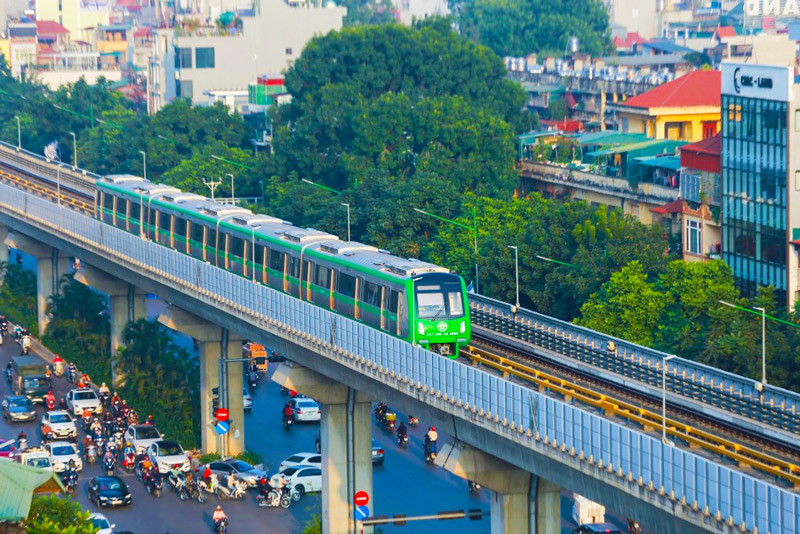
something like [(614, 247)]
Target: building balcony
[(620, 187)]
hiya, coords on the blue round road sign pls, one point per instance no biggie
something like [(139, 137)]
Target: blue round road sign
[(362, 512), (222, 427)]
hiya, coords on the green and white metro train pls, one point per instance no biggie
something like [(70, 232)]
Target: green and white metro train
[(410, 299)]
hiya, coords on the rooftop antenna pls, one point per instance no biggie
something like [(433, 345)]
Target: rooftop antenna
[(212, 185)]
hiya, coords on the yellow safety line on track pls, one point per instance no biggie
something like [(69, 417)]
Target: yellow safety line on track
[(33, 186), (694, 436)]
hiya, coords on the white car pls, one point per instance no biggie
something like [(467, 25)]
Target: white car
[(301, 459), (303, 479), (61, 452), (305, 409), (247, 400), (58, 424), (99, 521), (168, 454), (79, 400), (142, 436)]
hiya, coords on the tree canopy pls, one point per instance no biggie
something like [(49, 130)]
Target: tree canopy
[(521, 27), (54, 515)]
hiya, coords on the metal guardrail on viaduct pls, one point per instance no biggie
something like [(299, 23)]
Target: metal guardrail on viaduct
[(697, 490)]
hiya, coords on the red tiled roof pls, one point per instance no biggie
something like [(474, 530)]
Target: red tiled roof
[(726, 31), (711, 146), (50, 27), (699, 88), (569, 126), (631, 39), (676, 206), (142, 32)]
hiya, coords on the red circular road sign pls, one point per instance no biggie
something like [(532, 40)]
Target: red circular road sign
[(361, 498), (222, 414)]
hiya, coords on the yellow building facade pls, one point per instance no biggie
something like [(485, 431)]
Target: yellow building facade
[(74, 16), (685, 109)]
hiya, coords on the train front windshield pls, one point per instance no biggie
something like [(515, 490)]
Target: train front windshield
[(440, 300)]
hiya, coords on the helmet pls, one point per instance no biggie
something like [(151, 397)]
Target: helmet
[(219, 507), (103, 385), (433, 428)]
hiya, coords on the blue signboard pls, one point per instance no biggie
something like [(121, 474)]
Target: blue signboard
[(362, 512), (223, 427)]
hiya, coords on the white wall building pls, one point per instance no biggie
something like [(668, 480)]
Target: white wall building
[(193, 64)]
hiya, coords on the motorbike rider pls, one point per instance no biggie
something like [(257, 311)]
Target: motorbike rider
[(115, 401), (380, 411), (124, 408), (264, 487), (86, 417), (62, 403), (287, 412), (72, 369), (50, 400), (48, 375), (129, 454), (402, 431), (149, 420), (87, 441), (219, 515), (22, 437), (103, 389), (96, 428), (430, 441), (109, 456)]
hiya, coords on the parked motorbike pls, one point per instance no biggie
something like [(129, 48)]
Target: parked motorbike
[(273, 499)]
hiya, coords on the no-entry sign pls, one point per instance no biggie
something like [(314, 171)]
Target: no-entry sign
[(222, 414), (361, 498)]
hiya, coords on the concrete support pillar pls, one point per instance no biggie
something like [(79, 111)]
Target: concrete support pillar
[(215, 342), (50, 267), (346, 439), (3, 246), (125, 304), (522, 503)]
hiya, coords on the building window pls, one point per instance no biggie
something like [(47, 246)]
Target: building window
[(204, 58), (694, 237), (709, 129), (183, 89), (288, 51), (183, 58)]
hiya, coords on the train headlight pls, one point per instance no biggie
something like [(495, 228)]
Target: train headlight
[(421, 329), (463, 326)]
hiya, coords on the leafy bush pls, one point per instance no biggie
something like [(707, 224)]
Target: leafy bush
[(18, 295), (209, 457), (250, 457), (54, 515)]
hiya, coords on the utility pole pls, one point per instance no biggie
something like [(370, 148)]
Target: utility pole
[(212, 185)]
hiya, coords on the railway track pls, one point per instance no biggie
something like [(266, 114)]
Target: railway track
[(747, 449)]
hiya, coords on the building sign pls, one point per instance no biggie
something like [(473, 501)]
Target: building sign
[(765, 82), (773, 8)]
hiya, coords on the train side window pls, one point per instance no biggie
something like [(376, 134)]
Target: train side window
[(108, 202), (153, 217), (133, 211), (259, 256), (180, 227), (394, 300), (164, 221), (276, 260), (122, 207), (211, 238), (347, 285), (372, 294), (236, 247), (322, 276), (294, 266), (196, 232)]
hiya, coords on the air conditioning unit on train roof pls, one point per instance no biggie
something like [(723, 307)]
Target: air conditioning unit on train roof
[(255, 220), (122, 178), (180, 198), (413, 267), (306, 235), (346, 248)]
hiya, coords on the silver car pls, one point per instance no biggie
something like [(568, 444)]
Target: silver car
[(243, 471)]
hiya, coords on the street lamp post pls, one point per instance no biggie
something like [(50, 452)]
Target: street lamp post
[(664, 398), (19, 134), (763, 314), (74, 150), (346, 205), (144, 163), (516, 270), (473, 228), (233, 191)]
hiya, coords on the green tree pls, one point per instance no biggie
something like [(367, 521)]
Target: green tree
[(18, 295), (54, 515), (520, 27), (162, 379), (79, 329), (627, 306), (558, 109), (368, 12)]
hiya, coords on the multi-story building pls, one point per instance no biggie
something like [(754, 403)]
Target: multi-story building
[(193, 64), (761, 177), (23, 46), (635, 16), (75, 15), (685, 109), (700, 199)]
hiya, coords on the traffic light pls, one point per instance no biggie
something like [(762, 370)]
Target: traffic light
[(215, 398)]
